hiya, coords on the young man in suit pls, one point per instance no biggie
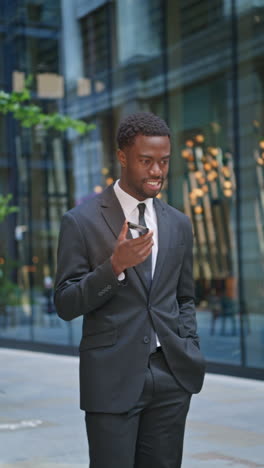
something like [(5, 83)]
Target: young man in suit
[(139, 354)]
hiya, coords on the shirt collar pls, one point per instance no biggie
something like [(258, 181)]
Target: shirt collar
[(130, 203)]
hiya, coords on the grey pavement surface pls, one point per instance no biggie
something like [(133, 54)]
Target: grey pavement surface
[(41, 425)]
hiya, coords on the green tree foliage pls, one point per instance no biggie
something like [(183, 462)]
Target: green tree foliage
[(5, 208), (9, 291), (20, 105), (31, 115)]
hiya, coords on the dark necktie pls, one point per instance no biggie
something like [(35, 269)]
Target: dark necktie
[(148, 262), (148, 274)]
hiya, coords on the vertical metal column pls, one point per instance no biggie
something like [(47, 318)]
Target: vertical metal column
[(237, 159), (110, 113), (11, 127), (164, 51)]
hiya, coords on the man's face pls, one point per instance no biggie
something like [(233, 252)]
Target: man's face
[(145, 166)]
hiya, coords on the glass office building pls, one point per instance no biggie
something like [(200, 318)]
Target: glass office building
[(196, 63)]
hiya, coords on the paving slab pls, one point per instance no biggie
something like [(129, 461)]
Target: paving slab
[(41, 425)]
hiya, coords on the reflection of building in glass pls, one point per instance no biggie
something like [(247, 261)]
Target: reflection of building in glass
[(100, 60), (32, 165), (209, 185), (259, 205)]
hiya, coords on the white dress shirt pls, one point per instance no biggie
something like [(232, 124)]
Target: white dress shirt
[(129, 206)]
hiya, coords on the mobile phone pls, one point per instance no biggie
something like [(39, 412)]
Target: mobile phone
[(138, 227)]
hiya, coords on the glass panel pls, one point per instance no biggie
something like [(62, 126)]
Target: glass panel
[(35, 171), (93, 163), (177, 59), (48, 203), (202, 180), (139, 60), (2, 48), (141, 35), (251, 97), (40, 13), (15, 276), (96, 49)]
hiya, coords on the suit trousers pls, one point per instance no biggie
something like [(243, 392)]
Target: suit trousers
[(151, 434)]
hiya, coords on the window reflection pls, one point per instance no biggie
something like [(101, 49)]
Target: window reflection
[(117, 58), (209, 191)]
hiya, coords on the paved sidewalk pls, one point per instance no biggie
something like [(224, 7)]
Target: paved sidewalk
[(41, 425)]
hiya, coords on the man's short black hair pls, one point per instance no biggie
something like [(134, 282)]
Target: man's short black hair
[(140, 123)]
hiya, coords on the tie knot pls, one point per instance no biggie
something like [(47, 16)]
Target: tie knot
[(141, 208)]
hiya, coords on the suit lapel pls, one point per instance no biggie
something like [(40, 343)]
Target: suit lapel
[(114, 217), (112, 211), (164, 233), (140, 269)]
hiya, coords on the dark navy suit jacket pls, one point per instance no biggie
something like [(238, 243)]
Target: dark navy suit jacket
[(115, 344)]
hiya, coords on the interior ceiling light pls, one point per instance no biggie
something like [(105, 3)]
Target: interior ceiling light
[(185, 153), (98, 189), (198, 209), (105, 170), (202, 181), (200, 138), (226, 171), (109, 180), (214, 151), (228, 193), (199, 192), (215, 163)]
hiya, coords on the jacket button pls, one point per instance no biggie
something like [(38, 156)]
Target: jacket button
[(146, 339)]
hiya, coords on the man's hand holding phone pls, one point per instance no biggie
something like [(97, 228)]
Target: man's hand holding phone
[(130, 252)]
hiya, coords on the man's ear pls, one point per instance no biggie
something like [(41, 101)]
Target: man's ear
[(121, 158)]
